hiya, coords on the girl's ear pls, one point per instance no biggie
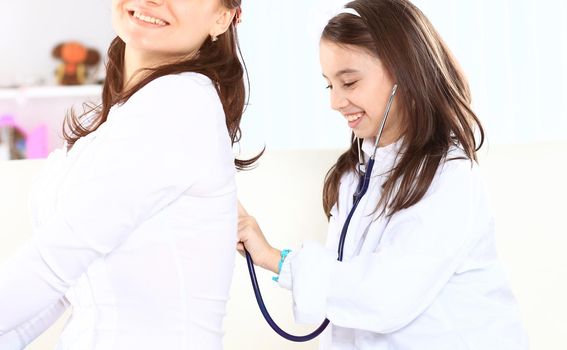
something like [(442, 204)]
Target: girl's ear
[(223, 22)]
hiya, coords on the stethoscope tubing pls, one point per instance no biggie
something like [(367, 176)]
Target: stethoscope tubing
[(266, 314), (361, 190)]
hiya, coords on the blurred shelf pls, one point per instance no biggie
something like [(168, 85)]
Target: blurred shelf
[(42, 92)]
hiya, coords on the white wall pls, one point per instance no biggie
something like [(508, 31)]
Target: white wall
[(513, 51), (530, 226), (32, 28), (29, 30)]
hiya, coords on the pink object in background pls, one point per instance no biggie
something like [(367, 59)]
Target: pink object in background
[(36, 143), (8, 121)]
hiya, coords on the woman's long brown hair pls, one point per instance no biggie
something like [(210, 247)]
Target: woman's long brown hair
[(217, 60), (433, 97)]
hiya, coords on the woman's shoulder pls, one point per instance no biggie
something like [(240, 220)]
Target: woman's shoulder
[(174, 96), (185, 85), (185, 79), (175, 92)]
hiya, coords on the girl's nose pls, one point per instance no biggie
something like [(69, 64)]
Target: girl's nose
[(338, 100), (152, 2)]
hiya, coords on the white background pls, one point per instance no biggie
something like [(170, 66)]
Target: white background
[(30, 29), (513, 51)]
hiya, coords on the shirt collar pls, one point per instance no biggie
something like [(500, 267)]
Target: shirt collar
[(388, 150)]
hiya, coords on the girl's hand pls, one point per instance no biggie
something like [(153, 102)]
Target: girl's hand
[(250, 236)]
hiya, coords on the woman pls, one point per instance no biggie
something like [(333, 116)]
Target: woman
[(135, 222), (419, 269)]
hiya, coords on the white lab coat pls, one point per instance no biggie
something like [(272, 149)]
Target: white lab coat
[(426, 279), (135, 228)]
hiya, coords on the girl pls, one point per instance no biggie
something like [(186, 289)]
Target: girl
[(144, 195), (419, 269)]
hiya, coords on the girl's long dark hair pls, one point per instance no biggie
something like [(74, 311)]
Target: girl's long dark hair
[(217, 60), (433, 97)]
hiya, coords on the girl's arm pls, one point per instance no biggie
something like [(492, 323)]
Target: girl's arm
[(422, 248), (251, 236)]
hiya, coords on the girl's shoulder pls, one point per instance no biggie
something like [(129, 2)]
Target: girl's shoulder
[(457, 166)]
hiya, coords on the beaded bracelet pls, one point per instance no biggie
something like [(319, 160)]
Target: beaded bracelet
[(284, 254)]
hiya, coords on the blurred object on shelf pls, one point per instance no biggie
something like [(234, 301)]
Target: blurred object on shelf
[(37, 143), (47, 105), (77, 59), (12, 139), (16, 143), (22, 94)]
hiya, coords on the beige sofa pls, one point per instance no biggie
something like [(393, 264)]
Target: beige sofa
[(528, 192)]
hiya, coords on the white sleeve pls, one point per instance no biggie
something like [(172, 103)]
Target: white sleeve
[(286, 279), (384, 291), (20, 337), (159, 144)]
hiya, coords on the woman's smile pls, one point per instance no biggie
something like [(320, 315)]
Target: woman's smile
[(146, 20)]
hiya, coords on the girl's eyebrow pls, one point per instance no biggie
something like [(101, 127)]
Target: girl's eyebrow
[(342, 72)]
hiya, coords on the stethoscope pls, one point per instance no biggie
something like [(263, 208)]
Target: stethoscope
[(362, 188)]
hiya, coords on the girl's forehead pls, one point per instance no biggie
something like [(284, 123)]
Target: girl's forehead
[(343, 57), (345, 51)]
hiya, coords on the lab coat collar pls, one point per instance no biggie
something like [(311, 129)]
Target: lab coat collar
[(385, 156)]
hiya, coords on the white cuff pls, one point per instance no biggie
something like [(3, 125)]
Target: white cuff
[(11, 341), (311, 269), (285, 278)]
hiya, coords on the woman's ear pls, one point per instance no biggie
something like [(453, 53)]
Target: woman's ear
[(223, 22)]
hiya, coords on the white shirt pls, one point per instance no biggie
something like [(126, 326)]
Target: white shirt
[(135, 228), (426, 279)]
